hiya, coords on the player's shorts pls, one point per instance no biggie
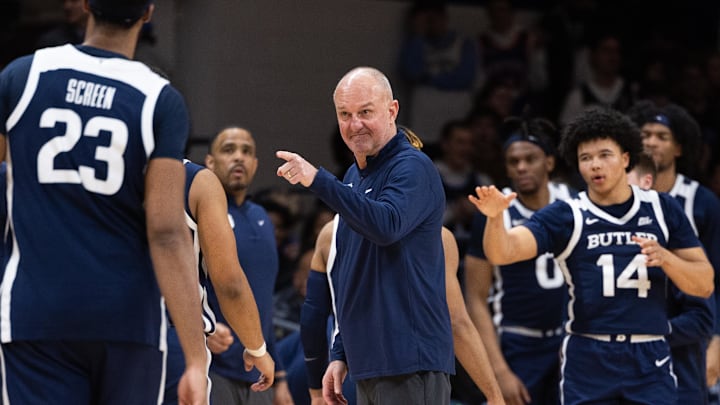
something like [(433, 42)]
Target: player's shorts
[(79, 373), (536, 361), (617, 371)]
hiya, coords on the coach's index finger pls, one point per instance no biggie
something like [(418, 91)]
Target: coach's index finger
[(296, 169)]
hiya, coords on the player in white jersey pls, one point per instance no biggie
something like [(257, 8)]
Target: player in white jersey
[(616, 245)]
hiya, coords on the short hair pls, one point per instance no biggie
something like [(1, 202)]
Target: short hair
[(685, 130), (601, 123), (123, 13), (645, 165), (218, 133), (450, 126)]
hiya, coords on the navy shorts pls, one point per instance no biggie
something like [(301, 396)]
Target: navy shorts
[(536, 361), (79, 373), (598, 372)]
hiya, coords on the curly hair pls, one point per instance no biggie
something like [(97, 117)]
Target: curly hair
[(601, 123), (685, 130)]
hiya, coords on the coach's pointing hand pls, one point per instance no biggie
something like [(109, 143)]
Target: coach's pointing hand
[(296, 169)]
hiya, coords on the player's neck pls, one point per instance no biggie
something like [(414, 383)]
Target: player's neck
[(536, 200), (118, 40), (239, 197), (616, 195), (665, 180)]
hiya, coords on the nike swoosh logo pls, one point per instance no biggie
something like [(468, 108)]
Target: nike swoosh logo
[(659, 363), (368, 190), (590, 221)]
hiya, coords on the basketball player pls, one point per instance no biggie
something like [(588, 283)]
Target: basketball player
[(93, 142), (673, 139), (616, 245), (217, 261), (524, 341), (691, 318)]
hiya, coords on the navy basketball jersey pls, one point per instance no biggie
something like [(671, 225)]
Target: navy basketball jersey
[(536, 280), (208, 316), (702, 209), (611, 289), (80, 136)]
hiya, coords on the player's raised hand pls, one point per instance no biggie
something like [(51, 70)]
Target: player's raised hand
[(490, 201), (295, 169)]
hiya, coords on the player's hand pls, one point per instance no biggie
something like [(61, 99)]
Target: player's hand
[(265, 365), (193, 387), (713, 361), (513, 389), (282, 394), (332, 383), (221, 340), (490, 201), (295, 169), (652, 250)]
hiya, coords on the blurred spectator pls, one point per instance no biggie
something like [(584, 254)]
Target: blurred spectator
[(459, 177), (507, 48), (603, 83), (439, 64), (484, 123), (563, 29), (72, 28), (277, 205)]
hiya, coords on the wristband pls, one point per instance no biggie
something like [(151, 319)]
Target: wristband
[(258, 352)]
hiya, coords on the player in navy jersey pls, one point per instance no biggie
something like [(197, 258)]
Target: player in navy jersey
[(93, 142), (673, 139), (217, 261), (522, 338), (691, 318), (232, 157), (617, 245), (394, 323)]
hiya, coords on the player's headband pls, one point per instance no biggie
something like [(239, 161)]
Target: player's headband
[(516, 137), (661, 119)]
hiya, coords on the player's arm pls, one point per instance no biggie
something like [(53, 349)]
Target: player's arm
[(478, 280), (174, 264), (468, 344), (217, 242), (502, 246), (315, 312)]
